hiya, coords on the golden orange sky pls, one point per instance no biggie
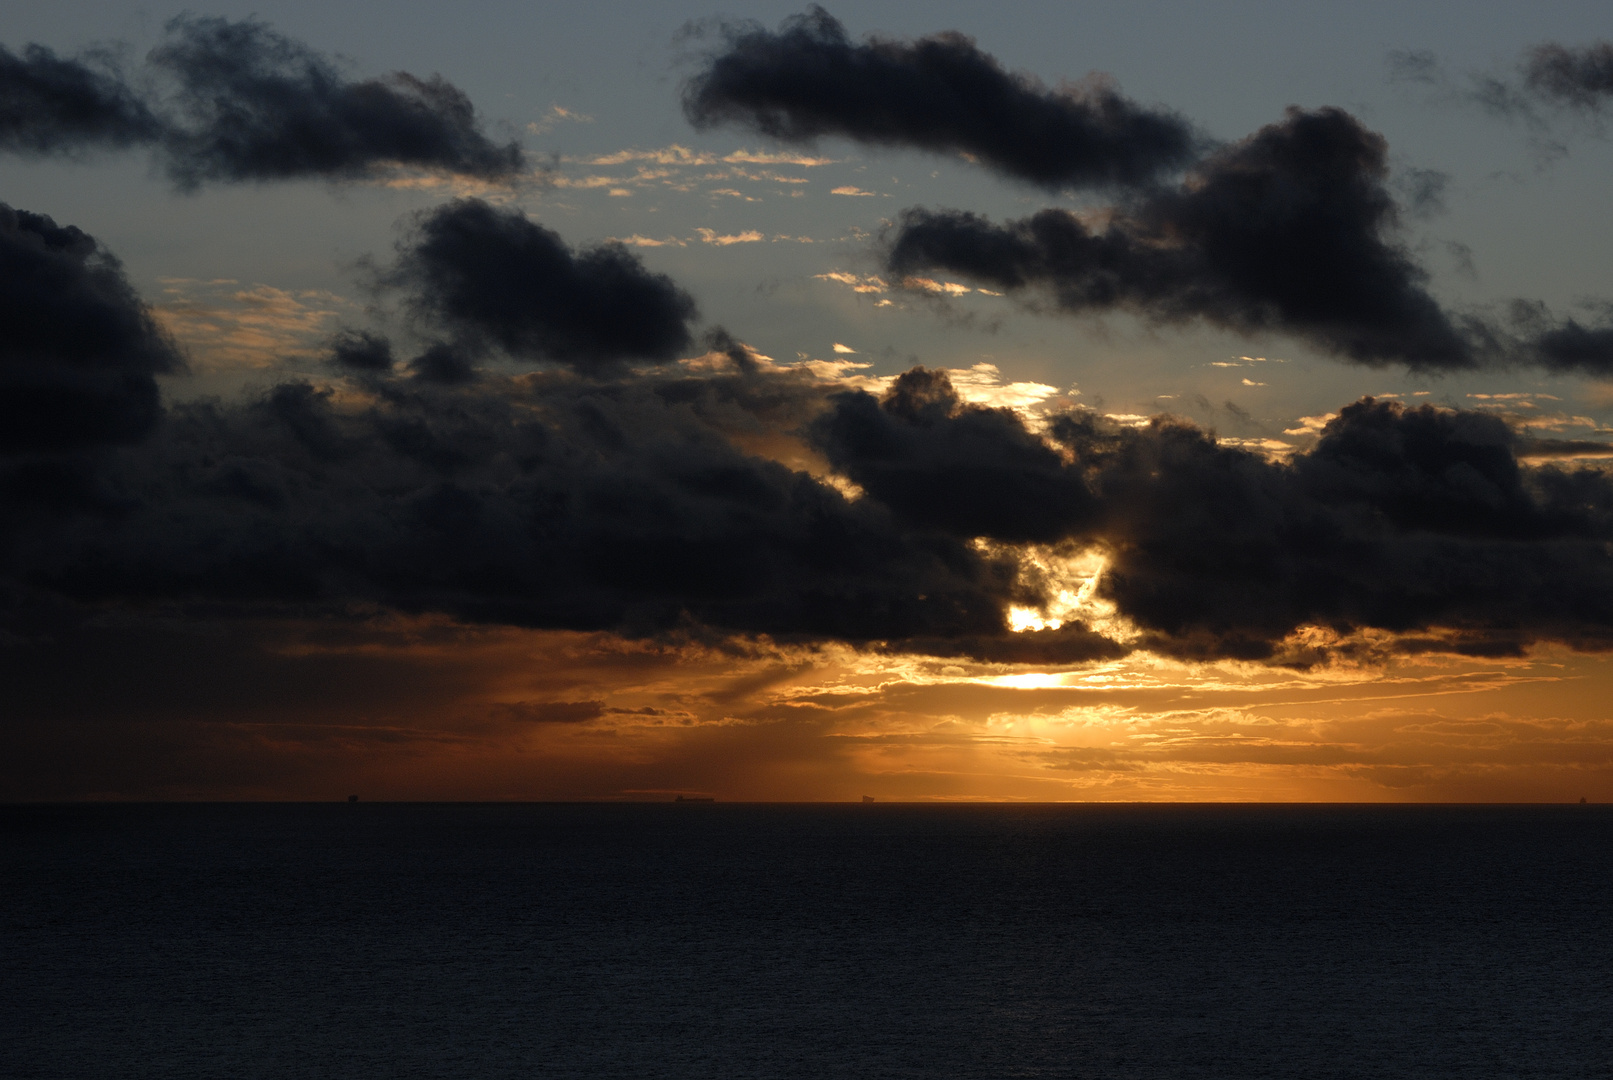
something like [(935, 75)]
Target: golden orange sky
[(427, 709)]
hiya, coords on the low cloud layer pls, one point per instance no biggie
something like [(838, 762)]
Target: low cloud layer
[(627, 506), (1404, 520), (596, 498), (941, 93), (532, 502), (236, 101)]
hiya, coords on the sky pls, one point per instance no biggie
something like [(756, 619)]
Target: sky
[(1142, 401)]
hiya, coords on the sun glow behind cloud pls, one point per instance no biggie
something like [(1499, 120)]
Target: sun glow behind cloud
[(504, 713), (429, 705), (1073, 587)]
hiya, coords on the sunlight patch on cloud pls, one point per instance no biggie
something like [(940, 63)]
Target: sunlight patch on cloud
[(1311, 425), (711, 236), (752, 157), (979, 385), (763, 176), (463, 187), (666, 155), (847, 487), (869, 283), (1271, 449), (646, 241), (850, 190), (1245, 361), (586, 183), (934, 287), (982, 385), (1558, 422), (847, 373), (225, 327), (1070, 581)]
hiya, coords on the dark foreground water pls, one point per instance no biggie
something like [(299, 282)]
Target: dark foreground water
[(826, 941)]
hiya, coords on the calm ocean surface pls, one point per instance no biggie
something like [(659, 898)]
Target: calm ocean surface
[(489, 941)]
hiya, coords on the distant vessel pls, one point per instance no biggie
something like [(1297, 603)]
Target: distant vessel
[(868, 798), (694, 798)]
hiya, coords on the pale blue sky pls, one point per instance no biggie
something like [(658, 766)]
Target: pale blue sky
[(1535, 225)]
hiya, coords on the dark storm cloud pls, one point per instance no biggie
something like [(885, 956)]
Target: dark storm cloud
[(539, 502), (1398, 519), (969, 471), (241, 102), (1581, 77), (259, 106), (497, 278), (443, 364), (1291, 230), (938, 93), (78, 348), (360, 350), (1572, 347), (55, 105), (1532, 334), (627, 505)]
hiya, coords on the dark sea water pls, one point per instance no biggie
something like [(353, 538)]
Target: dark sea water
[(489, 941)]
